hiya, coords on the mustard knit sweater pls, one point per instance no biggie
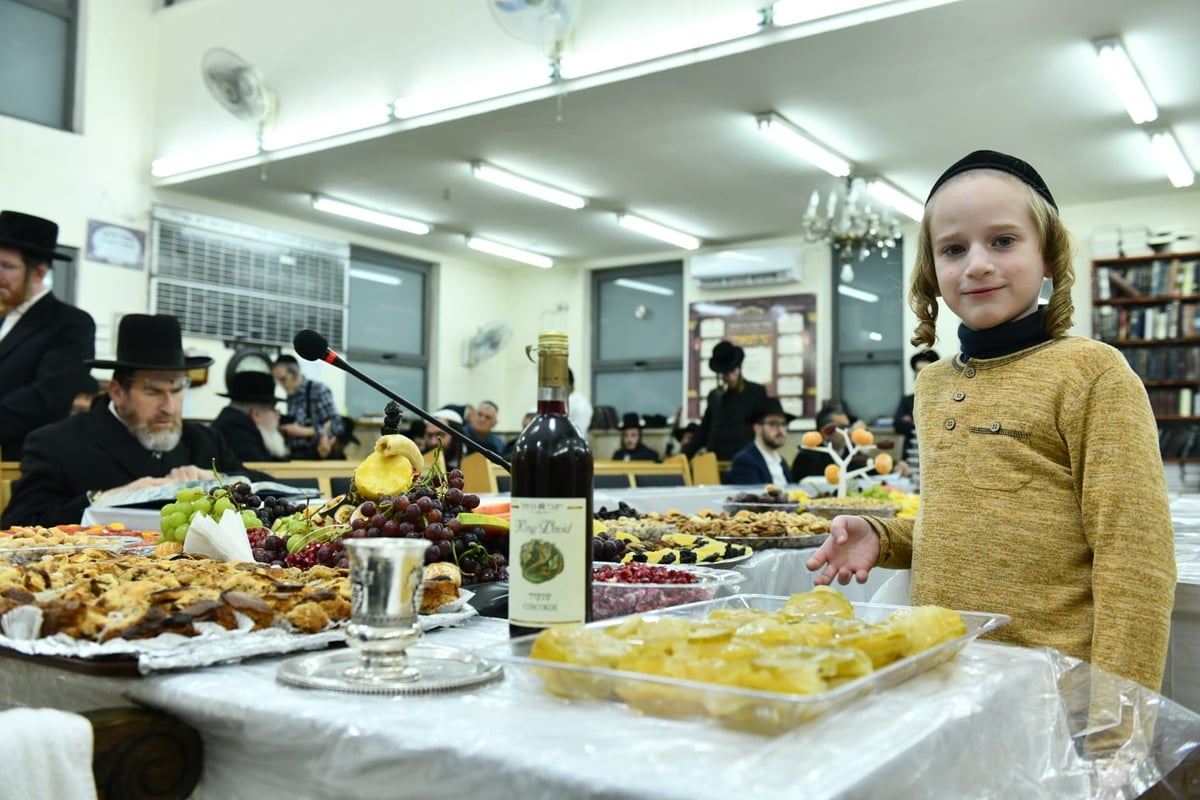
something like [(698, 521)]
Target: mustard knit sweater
[(1043, 497)]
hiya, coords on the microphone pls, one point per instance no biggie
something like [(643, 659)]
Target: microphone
[(312, 346)]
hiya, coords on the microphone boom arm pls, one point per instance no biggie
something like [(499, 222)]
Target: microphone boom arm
[(330, 357)]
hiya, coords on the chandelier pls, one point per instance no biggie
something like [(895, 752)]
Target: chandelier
[(851, 224)]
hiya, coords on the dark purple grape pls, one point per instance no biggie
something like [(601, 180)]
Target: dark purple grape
[(412, 514), (401, 503), (391, 528), (260, 555), (468, 565), (470, 501), (425, 504), (368, 509), (378, 520), (324, 554), (372, 532), (432, 554), (270, 501), (357, 524), (445, 549)]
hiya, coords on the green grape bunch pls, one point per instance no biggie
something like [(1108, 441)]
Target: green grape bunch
[(175, 518)]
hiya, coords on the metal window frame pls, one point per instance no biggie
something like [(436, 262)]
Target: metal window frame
[(71, 14), (381, 258), (845, 358), (601, 366)]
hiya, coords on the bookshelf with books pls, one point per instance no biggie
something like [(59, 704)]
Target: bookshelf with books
[(1148, 307)]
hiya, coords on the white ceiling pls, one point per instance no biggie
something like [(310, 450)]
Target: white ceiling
[(902, 98)]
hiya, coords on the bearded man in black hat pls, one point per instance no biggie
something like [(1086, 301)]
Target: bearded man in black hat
[(724, 429), (760, 462), (43, 341), (250, 423), (137, 440)]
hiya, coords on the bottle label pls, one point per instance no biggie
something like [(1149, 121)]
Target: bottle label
[(547, 580)]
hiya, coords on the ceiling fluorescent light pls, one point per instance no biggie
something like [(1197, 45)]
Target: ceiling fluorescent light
[(509, 180), (857, 294), (788, 135), (375, 277), (1119, 69), (512, 253), (192, 160), (642, 286), (886, 193), (1171, 159), (361, 214), (656, 231)]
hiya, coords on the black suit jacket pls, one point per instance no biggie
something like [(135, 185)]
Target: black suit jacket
[(93, 451), (41, 369), (748, 466), (242, 435)]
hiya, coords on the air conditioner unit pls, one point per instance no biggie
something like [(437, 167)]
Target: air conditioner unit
[(751, 266)]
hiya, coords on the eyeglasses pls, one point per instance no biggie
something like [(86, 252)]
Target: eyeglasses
[(775, 423)]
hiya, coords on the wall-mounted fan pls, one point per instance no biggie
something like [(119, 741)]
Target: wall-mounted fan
[(487, 341), (546, 23), (237, 86)]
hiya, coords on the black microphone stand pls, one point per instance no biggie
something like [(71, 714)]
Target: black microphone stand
[(490, 455)]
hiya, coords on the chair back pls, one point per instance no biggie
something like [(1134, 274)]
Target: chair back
[(705, 471), (478, 477)]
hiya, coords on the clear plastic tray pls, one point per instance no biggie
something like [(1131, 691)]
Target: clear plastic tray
[(37, 552), (744, 709)]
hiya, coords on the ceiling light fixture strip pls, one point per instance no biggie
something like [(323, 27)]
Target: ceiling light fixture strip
[(511, 253), (1171, 158), (655, 231), (1123, 76), (351, 211), (527, 186)]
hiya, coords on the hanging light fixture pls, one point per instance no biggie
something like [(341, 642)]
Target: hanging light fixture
[(851, 224)]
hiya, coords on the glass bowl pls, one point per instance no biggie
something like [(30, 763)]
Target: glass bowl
[(616, 598), (790, 507), (830, 507)]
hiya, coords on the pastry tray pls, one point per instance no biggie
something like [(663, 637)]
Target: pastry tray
[(752, 710)]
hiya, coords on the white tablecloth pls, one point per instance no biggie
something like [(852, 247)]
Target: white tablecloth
[(989, 724)]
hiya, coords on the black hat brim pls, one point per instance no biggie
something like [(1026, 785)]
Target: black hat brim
[(190, 363), (263, 400)]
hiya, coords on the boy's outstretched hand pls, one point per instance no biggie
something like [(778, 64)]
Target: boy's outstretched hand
[(850, 551)]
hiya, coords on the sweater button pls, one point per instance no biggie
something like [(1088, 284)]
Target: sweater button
[(958, 396), (950, 424), (995, 426), (970, 372)]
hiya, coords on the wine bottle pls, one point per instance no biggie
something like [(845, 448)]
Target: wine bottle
[(550, 530)]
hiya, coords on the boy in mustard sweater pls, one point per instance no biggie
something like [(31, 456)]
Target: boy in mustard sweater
[(1042, 491)]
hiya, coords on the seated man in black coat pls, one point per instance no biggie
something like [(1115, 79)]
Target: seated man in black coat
[(137, 440), (760, 462), (250, 423), (632, 447)]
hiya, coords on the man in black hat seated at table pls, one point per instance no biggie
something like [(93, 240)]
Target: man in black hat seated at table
[(632, 448), (250, 423), (43, 341), (137, 440), (724, 429), (760, 462)]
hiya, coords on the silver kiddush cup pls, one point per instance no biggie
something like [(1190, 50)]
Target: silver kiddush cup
[(386, 583)]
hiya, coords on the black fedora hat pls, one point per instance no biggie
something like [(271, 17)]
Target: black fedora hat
[(150, 341), (253, 387), (766, 407), (32, 235), (631, 420), (726, 357)]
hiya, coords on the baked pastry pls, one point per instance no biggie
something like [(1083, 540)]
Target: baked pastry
[(441, 585)]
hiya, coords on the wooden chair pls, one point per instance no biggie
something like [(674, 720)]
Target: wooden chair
[(672, 472), (320, 471), (705, 471), (5, 493), (478, 477), (10, 470)]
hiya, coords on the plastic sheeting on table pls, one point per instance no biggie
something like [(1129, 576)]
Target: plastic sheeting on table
[(783, 572), (991, 723)]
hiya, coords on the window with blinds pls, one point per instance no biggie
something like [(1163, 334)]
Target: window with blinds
[(230, 280)]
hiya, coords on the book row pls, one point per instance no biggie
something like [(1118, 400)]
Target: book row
[(1179, 363), (1158, 278), (1183, 402), (1171, 320)]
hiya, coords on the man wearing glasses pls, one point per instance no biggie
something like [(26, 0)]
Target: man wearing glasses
[(760, 462), (137, 440)]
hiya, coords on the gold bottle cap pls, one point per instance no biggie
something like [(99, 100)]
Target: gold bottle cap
[(552, 340)]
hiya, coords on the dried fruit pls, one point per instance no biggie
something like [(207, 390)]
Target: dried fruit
[(862, 437), (883, 463), (832, 473)]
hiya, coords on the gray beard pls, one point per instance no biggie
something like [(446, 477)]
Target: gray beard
[(274, 442), (158, 441)]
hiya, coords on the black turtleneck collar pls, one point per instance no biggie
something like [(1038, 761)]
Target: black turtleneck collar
[(1004, 339)]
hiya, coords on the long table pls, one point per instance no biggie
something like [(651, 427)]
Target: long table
[(991, 723)]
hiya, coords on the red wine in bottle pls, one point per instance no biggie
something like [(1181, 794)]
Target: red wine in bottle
[(550, 530)]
